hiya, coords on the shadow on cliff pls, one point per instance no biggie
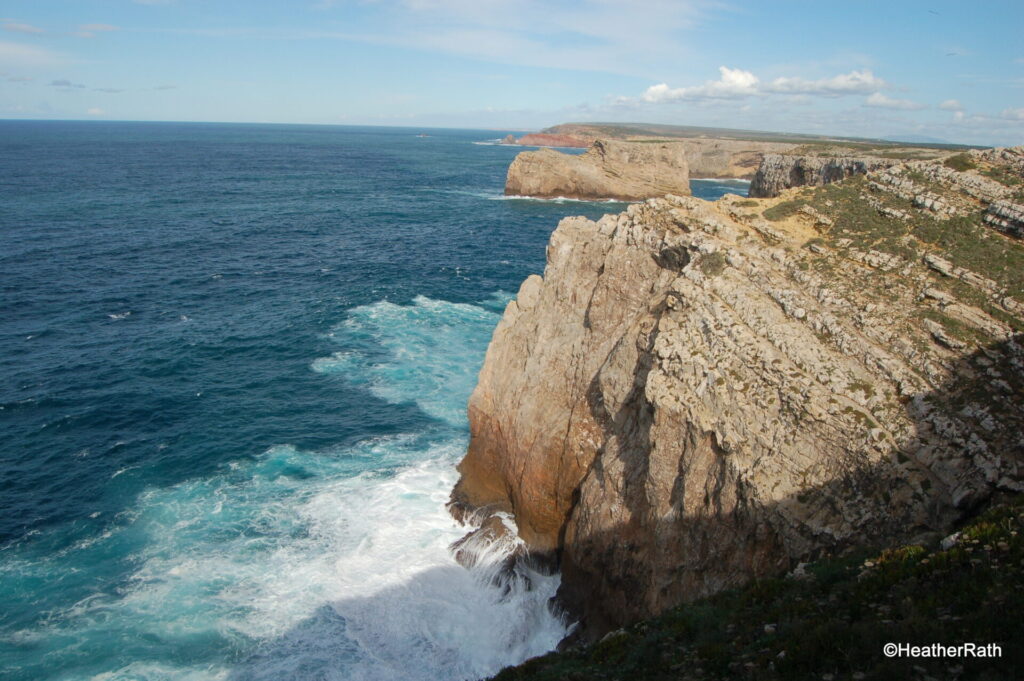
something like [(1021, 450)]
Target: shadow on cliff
[(718, 535)]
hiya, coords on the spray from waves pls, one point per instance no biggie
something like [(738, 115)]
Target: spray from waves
[(297, 564)]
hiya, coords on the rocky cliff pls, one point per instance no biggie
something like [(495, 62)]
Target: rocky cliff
[(540, 139), (778, 172), (697, 393), (710, 158), (609, 169)]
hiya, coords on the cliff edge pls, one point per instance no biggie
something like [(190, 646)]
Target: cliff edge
[(610, 169), (778, 172), (696, 394)]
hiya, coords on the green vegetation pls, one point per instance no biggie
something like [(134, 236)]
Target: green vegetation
[(964, 240), (960, 162), (712, 264), (954, 327), (968, 243), (1003, 176), (784, 209), (834, 622)]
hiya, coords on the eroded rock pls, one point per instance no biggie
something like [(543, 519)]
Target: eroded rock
[(609, 169)]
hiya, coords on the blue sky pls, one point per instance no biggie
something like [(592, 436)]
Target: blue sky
[(945, 70)]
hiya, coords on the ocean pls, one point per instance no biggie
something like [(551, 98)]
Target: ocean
[(234, 366)]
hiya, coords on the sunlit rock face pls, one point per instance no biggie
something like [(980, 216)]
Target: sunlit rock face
[(610, 169)]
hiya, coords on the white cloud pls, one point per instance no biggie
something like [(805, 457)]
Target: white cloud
[(18, 27), (1012, 114), (594, 35), (880, 101), (733, 83), (95, 111), (738, 83), (16, 55), (952, 105), (90, 30), (854, 82)]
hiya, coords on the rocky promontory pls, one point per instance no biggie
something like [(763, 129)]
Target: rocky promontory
[(698, 394), (610, 169)]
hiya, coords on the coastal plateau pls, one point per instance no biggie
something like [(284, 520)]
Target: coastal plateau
[(725, 153)]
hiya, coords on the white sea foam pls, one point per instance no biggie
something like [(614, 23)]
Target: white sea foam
[(333, 576), (427, 353), (329, 564), (553, 199)]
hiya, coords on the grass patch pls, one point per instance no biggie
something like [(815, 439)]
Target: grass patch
[(967, 242), (783, 210), (964, 240), (1004, 176), (960, 162), (954, 327)]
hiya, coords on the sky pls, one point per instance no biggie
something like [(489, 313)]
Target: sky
[(949, 71)]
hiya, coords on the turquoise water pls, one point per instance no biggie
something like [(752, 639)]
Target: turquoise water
[(235, 363)]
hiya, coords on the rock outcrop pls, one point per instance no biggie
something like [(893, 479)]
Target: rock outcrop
[(694, 395), (610, 169), (778, 172)]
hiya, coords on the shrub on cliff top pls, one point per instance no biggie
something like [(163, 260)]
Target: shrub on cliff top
[(960, 162), (783, 210), (713, 264)]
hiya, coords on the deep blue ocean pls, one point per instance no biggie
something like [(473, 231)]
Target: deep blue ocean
[(234, 364)]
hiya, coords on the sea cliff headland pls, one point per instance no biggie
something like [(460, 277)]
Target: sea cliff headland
[(699, 394), (609, 169), (727, 153)]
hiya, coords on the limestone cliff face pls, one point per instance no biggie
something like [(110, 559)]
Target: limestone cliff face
[(609, 169), (692, 396), (711, 158), (778, 172)]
